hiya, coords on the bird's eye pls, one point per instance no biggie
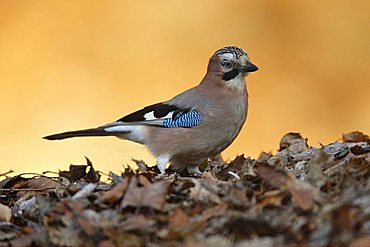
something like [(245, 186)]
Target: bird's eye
[(227, 64)]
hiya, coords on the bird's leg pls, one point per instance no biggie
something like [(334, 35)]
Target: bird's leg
[(162, 162), (194, 170)]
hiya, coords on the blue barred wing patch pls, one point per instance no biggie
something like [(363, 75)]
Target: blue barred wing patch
[(184, 120)]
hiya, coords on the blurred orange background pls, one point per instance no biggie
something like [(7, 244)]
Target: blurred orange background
[(68, 65)]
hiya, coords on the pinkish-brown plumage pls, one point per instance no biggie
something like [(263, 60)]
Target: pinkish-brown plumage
[(221, 99)]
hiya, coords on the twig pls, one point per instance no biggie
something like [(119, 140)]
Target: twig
[(55, 179), (50, 172), (31, 189), (6, 173), (234, 175), (35, 174)]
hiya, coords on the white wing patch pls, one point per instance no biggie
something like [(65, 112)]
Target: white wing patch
[(120, 128), (136, 133), (150, 116)]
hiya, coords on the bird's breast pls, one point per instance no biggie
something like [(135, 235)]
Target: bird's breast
[(226, 121)]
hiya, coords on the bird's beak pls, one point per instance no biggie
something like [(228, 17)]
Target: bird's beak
[(249, 67)]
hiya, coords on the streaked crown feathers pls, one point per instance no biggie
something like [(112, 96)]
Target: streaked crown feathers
[(236, 51)]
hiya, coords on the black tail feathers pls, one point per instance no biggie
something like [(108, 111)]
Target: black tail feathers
[(78, 133)]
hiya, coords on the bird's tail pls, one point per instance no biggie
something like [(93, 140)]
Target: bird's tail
[(79, 133)]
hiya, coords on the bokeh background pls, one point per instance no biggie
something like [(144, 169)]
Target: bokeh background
[(67, 65)]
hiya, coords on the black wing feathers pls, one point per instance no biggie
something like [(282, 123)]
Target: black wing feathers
[(159, 111)]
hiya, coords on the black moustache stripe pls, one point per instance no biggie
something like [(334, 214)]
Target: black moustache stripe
[(230, 75)]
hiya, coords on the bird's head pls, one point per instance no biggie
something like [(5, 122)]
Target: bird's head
[(231, 64)]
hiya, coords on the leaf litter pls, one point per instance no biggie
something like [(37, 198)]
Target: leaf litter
[(302, 195)]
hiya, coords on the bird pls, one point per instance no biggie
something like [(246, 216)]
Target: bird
[(193, 126)]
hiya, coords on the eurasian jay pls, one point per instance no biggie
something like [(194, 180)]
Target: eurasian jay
[(195, 125)]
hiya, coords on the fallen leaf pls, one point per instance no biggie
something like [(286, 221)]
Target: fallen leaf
[(178, 220), (87, 226), (344, 221), (361, 242), (85, 191), (115, 194), (142, 166), (75, 172), (271, 176), (315, 172), (143, 180), (270, 198), (66, 236), (259, 242), (337, 150), (152, 195), (37, 236), (263, 157), (197, 223), (11, 182), (138, 223), (42, 183), (213, 212), (92, 176), (303, 194), (5, 213), (355, 136), (290, 139), (237, 196), (360, 148), (204, 194), (123, 239), (8, 231)]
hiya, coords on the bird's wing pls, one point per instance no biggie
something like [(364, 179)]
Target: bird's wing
[(162, 115)]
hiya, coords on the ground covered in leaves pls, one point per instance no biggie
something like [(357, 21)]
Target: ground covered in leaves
[(300, 196)]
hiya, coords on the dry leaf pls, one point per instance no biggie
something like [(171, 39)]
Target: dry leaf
[(178, 220), (92, 176), (142, 166), (315, 172), (5, 213), (355, 136), (123, 239), (273, 197), (263, 157), (42, 183), (138, 223), (204, 194), (361, 242), (143, 180), (289, 139), (87, 226), (244, 202), (8, 231), (85, 191), (115, 194), (213, 212), (303, 194), (344, 224), (271, 176), (76, 172), (152, 195)]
